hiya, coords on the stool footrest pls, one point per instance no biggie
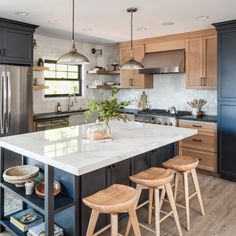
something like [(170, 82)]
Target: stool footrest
[(194, 194), (147, 228), (141, 205), (166, 215)]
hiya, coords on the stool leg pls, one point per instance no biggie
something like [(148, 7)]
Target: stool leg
[(157, 211), (134, 221), (176, 185), (92, 223), (150, 206), (173, 206), (186, 193), (114, 224), (139, 191), (196, 184), (163, 193)]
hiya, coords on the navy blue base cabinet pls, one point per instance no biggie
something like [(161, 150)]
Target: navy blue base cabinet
[(226, 120)]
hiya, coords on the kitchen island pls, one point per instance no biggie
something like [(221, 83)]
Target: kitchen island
[(84, 167)]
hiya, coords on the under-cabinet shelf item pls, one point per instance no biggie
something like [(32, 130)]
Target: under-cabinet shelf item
[(40, 87), (40, 68), (104, 72), (61, 202)]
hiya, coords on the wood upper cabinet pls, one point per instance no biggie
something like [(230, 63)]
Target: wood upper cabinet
[(132, 78), (201, 63)]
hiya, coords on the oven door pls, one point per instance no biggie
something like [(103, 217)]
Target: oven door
[(52, 124)]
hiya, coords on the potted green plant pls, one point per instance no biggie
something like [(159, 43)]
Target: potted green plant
[(106, 110)]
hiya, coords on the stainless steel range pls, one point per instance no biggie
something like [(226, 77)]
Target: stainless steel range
[(160, 117)]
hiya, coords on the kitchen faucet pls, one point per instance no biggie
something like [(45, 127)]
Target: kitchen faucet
[(71, 103)]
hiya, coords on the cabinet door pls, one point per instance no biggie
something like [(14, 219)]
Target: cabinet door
[(194, 63), (210, 62), (119, 173), (18, 47), (227, 140), (90, 184), (1, 42), (226, 64)]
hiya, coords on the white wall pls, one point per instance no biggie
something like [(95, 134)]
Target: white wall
[(52, 48), (169, 90)]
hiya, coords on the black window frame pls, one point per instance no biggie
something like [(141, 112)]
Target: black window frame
[(56, 79)]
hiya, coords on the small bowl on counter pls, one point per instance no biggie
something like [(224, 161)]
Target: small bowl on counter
[(40, 189), (19, 175)]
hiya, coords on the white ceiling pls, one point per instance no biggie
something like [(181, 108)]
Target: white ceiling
[(110, 21)]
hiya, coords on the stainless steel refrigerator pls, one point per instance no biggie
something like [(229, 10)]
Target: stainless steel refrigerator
[(16, 108)]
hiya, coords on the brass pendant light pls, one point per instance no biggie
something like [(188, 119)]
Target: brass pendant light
[(131, 63), (73, 57)]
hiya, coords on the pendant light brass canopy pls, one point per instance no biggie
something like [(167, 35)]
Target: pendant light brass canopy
[(131, 63), (73, 57)]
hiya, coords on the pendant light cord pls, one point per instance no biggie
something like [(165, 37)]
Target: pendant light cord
[(73, 20)]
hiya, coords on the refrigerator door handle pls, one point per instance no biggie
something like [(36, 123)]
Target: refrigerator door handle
[(8, 117), (2, 103)]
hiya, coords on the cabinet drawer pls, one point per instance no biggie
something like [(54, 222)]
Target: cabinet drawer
[(200, 126), (200, 142), (207, 160)]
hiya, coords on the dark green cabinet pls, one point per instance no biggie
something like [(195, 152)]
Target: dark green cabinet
[(16, 42)]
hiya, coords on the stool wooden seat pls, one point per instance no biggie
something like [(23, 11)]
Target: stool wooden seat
[(183, 165), (155, 179), (113, 200)]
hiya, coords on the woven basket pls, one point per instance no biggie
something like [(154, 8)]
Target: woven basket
[(19, 175)]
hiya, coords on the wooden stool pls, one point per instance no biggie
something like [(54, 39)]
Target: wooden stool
[(185, 165), (113, 200), (155, 179)]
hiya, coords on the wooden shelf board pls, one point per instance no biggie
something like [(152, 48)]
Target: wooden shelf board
[(61, 202), (40, 68), (103, 86), (104, 72), (40, 87)]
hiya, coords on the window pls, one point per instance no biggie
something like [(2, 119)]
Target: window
[(62, 79)]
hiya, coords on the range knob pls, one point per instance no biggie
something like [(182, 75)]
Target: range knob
[(170, 124), (165, 123), (158, 122)]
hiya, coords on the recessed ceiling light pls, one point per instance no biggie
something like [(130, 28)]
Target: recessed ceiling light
[(141, 29), (202, 18), (87, 29), (53, 21), (21, 13), (168, 23)]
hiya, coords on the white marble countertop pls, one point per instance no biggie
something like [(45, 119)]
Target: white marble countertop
[(65, 148)]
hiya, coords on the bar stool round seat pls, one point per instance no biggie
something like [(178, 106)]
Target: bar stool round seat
[(153, 177), (114, 199), (181, 163)]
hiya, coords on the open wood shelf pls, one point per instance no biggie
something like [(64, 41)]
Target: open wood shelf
[(40, 68), (104, 72), (61, 202), (103, 86), (40, 87)]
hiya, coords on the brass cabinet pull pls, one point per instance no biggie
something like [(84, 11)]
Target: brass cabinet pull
[(201, 81), (205, 81), (197, 140)]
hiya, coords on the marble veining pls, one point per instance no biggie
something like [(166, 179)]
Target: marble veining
[(65, 148)]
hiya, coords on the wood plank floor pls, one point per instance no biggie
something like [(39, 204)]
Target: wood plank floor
[(219, 197)]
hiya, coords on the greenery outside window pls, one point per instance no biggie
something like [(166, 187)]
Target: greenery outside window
[(62, 79)]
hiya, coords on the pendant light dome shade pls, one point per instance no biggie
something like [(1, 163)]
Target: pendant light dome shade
[(131, 64), (73, 57)]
